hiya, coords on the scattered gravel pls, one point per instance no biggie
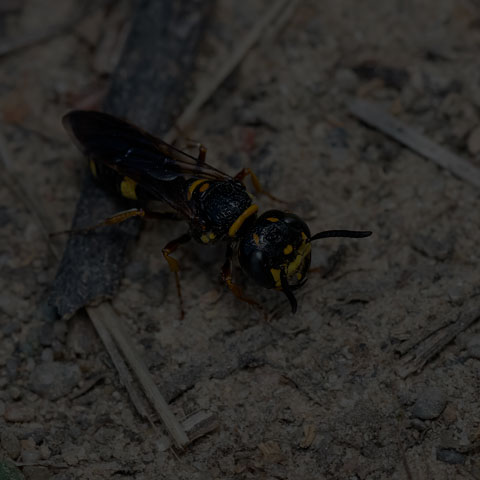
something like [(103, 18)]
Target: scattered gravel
[(450, 456), (53, 380), (19, 413), (429, 404), (473, 347), (10, 444)]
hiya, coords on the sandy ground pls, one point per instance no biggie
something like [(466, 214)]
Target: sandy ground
[(316, 395)]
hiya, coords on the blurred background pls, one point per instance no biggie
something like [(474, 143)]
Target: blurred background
[(376, 376)]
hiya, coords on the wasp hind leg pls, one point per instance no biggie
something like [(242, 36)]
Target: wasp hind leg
[(117, 218), (245, 172), (121, 217), (169, 248)]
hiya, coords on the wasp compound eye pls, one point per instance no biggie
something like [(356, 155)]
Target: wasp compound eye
[(276, 252)]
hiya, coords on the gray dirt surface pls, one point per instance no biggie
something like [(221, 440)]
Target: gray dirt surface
[(316, 395)]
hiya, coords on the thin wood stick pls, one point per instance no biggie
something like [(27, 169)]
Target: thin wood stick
[(281, 20), (121, 367), (106, 315), (434, 344), (378, 118), (234, 59)]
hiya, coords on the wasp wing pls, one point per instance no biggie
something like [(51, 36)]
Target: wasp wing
[(132, 151)]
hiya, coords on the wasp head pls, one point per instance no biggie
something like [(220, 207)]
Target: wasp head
[(276, 251)]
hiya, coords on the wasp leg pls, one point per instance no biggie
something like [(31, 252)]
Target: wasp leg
[(121, 217), (169, 248), (117, 218), (202, 150), (202, 154), (227, 278), (245, 172)]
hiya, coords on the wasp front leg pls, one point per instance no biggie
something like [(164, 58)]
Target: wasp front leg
[(227, 278), (245, 172), (169, 248)]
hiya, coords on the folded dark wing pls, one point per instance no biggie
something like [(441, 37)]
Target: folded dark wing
[(131, 151)]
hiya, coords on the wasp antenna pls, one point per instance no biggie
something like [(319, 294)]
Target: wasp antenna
[(288, 292), (340, 233)]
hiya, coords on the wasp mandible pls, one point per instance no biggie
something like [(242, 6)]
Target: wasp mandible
[(273, 249)]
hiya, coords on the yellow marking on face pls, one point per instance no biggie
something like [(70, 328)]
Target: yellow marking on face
[(295, 264), (256, 239), (211, 235), (304, 237), (127, 188), (204, 187), (276, 276), (193, 186), (288, 249), (272, 219), (93, 168), (239, 221), (299, 276)]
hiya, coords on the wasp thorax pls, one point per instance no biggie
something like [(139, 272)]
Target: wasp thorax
[(276, 250)]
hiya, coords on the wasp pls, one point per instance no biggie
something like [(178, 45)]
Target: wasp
[(273, 249)]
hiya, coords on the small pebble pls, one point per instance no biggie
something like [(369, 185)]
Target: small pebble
[(450, 456), (7, 304), (473, 141), (55, 379), (45, 452), (473, 347), (15, 393), (30, 456), (47, 313), (47, 355), (346, 79), (450, 414), (429, 404), (11, 367), (36, 472), (10, 444), (18, 413), (11, 327), (60, 330), (46, 334)]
